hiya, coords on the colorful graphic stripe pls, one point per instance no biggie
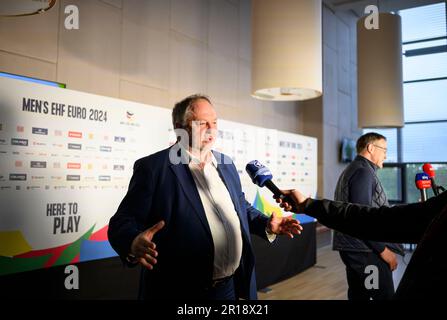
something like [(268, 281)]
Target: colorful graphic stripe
[(16, 255)]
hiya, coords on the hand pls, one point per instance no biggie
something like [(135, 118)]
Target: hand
[(144, 249), (294, 201), (284, 225), (390, 258)]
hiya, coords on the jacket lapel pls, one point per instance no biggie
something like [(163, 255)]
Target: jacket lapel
[(225, 175), (186, 182)]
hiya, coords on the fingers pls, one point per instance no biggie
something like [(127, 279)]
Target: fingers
[(145, 264), (148, 259), (154, 229)]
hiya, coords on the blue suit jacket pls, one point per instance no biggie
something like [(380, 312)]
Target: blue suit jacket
[(160, 190)]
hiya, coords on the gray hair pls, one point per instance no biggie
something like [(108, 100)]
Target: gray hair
[(184, 109), (366, 139)]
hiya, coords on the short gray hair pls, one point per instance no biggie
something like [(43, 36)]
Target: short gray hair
[(183, 110)]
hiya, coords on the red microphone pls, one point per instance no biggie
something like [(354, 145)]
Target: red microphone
[(430, 171)]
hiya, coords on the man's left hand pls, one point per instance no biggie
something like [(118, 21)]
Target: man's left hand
[(284, 225)]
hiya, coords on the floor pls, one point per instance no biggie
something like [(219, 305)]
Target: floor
[(324, 281)]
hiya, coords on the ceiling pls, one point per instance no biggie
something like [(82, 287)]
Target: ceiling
[(358, 6)]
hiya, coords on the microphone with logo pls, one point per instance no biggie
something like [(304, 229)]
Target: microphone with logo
[(423, 183), (428, 169), (261, 176)]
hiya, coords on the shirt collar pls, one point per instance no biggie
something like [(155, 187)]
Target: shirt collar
[(192, 158)]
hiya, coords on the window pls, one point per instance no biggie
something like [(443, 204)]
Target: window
[(424, 136)]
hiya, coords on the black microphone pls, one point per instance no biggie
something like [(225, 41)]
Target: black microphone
[(261, 176), (428, 169)]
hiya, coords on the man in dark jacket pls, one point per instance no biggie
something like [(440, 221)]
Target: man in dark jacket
[(359, 184), (423, 223), (185, 218)]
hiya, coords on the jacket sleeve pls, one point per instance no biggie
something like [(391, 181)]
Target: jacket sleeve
[(126, 224), (361, 192), (400, 224)]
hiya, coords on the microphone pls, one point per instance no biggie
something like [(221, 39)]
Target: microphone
[(428, 169), (261, 176), (423, 183)]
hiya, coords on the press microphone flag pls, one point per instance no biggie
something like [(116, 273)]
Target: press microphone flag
[(262, 176), (423, 182)]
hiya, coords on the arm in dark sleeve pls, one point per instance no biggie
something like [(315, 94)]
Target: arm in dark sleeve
[(400, 224), (361, 192), (125, 225)]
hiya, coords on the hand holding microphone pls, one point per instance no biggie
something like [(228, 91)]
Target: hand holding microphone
[(290, 200), (261, 176)]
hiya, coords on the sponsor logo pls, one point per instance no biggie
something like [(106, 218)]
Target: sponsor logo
[(5, 187), (130, 120), (43, 131), (90, 166), (74, 134), (17, 177), (90, 148), (118, 167), (75, 146), (56, 165), (120, 139), (105, 167), (73, 165), (37, 177), (90, 136), (104, 178), (19, 142), (2, 177), (3, 142), (57, 178), (38, 164), (105, 148), (73, 177), (39, 143), (18, 164), (58, 145), (15, 153), (1, 126), (58, 133), (32, 187), (20, 129)]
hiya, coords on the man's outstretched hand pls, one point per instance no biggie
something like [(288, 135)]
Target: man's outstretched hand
[(144, 249), (284, 225)]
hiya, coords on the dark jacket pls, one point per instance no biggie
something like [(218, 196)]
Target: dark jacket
[(423, 223), (160, 190), (359, 184)]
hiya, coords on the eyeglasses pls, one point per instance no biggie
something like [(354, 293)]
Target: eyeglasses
[(384, 149)]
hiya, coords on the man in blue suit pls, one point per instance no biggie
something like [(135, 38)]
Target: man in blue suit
[(186, 219)]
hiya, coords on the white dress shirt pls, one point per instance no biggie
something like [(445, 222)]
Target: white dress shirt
[(221, 215)]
